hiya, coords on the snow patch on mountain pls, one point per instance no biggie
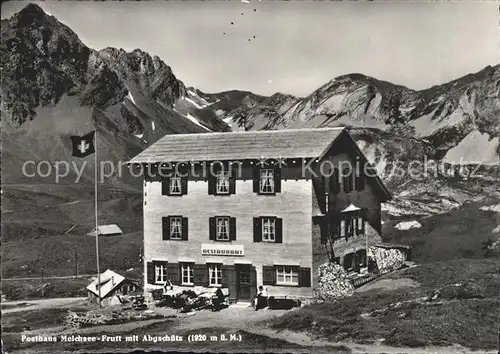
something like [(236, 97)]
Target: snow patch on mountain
[(195, 121), (476, 147), (495, 208), (194, 103), (131, 98), (406, 225), (496, 230)]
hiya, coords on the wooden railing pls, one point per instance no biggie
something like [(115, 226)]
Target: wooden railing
[(357, 282)]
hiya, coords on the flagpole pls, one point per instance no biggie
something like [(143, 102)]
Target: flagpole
[(96, 225)]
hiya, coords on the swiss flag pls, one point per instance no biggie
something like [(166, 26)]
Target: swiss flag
[(83, 145)]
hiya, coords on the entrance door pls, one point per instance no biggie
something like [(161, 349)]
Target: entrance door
[(244, 282)]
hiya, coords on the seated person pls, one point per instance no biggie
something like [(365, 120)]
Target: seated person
[(261, 299)]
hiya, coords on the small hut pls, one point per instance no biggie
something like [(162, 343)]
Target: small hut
[(106, 230), (114, 288)]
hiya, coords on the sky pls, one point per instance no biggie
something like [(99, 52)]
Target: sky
[(298, 45)]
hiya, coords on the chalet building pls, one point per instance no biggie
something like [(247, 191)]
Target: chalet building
[(243, 209), (113, 288)]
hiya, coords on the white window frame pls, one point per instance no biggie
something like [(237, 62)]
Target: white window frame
[(187, 271), (222, 182), (359, 222), (342, 228), (287, 275), (222, 232), (175, 186), (268, 229), (214, 274), (160, 273), (266, 181), (176, 228)]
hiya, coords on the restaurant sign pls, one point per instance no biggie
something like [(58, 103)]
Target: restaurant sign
[(221, 250)]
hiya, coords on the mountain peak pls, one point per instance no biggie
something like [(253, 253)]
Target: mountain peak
[(31, 13)]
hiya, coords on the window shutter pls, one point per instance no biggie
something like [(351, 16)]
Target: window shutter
[(277, 179), (173, 273), (184, 185), (253, 283), (268, 275), (211, 183), (360, 177), (150, 272), (256, 179), (165, 186), (211, 228), (232, 179), (225, 276), (305, 277), (279, 230), (185, 229), (166, 227), (200, 273), (257, 230), (335, 226), (334, 182), (232, 229), (232, 185)]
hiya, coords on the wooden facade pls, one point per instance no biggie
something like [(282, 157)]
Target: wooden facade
[(303, 212)]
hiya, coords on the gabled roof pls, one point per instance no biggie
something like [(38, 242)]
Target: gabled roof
[(290, 143), (109, 281), (111, 229), (350, 208)]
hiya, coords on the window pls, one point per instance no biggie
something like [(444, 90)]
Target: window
[(160, 273), (187, 274), (222, 229), (287, 275), (351, 224), (222, 186), (360, 226), (268, 229), (175, 185), (266, 184), (214, 275), (176, 228)]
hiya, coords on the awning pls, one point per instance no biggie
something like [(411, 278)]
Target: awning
[(350, 208)]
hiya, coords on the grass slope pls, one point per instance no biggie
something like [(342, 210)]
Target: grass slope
[(44, 225), (459, 233), (465, 316)]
